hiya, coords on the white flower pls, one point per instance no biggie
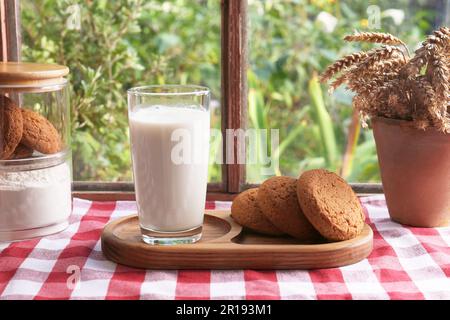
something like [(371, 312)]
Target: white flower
[(327, 21), (397, 15), (166, 7)]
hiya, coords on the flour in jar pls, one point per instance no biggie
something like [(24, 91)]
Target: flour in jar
[(35, 198)]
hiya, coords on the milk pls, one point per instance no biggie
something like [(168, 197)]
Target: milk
[(170, 148)]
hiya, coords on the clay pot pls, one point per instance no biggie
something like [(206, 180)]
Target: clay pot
[(415, 171)]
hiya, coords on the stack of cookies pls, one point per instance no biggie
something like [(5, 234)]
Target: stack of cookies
[(23, 131), (319, 204)]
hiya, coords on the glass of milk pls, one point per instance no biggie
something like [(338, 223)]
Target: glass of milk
[(169, 133)]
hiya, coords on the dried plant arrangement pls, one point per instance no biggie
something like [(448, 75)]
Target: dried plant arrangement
[(389, 83)]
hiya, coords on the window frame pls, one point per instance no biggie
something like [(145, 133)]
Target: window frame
[(234, 96)]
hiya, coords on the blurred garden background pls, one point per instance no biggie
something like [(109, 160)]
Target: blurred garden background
[(110, 46)]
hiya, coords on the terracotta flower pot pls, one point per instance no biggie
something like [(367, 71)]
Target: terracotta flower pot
[(415, 171)]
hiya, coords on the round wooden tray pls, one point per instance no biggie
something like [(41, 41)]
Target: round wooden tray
[(226, 245)]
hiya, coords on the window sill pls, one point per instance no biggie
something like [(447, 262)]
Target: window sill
[(112, 191)]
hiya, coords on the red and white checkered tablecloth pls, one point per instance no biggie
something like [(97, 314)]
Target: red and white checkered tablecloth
[(406, 263)]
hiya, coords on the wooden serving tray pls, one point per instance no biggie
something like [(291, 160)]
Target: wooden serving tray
[(226, 245)]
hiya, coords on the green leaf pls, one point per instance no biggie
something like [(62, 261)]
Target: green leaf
[(256, 110), (324, 121), (293, 134)]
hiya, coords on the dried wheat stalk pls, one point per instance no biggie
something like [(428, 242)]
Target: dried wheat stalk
[(358, 69), (445, 30), (442, 44), (376, 56), (364, 86), (341, 80), (415, 65), (436, 44), (439, 38), (376, 37), (342, 64), (359, 103), (387, 84), (437, 75), (390, 101), (427, 107), (389, 65)]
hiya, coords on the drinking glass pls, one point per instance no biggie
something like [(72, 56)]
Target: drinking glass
[(169, 133)]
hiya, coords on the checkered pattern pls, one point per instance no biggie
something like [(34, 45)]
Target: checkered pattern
[(406, 263)]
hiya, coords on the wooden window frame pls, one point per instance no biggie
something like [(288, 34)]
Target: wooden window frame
[(234, 57), (11, 39)]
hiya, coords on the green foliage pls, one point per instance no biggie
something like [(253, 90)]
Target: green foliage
[(121, 44), (135, 42), (289, 44)]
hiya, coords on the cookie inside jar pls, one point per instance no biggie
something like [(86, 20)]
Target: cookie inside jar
[(32, 124), (35, 157)]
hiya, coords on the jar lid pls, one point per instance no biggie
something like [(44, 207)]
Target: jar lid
[(26, 74)]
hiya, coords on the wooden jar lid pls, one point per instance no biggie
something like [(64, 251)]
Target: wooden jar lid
[(26, 74)]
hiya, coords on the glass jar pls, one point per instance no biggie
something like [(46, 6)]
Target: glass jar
[(35, 156)]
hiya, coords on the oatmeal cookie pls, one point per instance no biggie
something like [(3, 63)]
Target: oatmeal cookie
[(246, 212), (330, 205), (11, 127)]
